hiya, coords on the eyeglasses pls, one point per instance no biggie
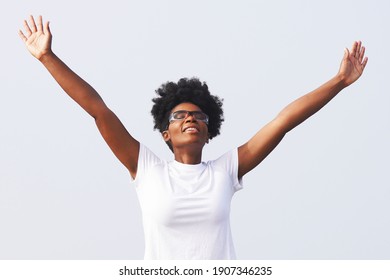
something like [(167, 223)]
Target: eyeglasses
[(183, 114)]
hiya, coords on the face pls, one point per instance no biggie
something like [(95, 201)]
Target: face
[(186, 131)]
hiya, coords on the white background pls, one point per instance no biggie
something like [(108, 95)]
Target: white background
[(322, 194)]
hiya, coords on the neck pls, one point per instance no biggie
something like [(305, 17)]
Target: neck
[(188, 155)]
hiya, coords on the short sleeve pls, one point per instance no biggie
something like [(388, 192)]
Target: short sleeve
[(229, 162), (146, 159)]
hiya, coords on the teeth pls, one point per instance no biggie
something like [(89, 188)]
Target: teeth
[(191, 129)]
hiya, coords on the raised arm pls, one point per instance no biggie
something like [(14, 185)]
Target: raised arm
[(266, 139), (37, 38)]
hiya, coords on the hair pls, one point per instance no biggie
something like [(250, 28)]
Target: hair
[(193, 91)]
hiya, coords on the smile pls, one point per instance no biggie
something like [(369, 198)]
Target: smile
[(191, 129)]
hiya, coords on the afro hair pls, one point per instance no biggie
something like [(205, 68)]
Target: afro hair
[(193, 91)]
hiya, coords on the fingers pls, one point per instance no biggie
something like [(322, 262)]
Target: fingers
[(27, 28), (358, 49), (22, 36), (346, 53), (354, 49), (46, 28), (361, 54), (364, 62), (33, 27), (39, 25), (357, 52)]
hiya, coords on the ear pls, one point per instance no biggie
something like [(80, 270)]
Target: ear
[(166, 135)]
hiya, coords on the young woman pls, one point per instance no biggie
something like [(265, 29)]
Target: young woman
[(186, 202)]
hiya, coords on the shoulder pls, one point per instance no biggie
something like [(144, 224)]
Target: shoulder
[(227, 164), (226, 159), (146, 160)]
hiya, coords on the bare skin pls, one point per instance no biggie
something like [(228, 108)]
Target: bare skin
[(37, 38), (267, 138), (187, 144)]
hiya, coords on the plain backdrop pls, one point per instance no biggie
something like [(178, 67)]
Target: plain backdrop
[(322, 194)]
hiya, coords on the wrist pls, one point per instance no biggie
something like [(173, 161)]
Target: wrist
[(44, 57), (341, 81)]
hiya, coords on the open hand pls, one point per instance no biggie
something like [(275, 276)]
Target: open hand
[(353, 63), (37, 37)]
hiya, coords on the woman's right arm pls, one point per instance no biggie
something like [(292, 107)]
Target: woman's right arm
[(37, 38)]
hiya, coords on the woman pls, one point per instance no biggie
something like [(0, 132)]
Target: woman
[(186, 202)]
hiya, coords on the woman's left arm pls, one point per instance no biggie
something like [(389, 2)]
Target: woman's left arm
[(266, 139)]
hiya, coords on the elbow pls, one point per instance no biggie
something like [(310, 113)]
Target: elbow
[(99, 111), (283, 123), (287, 120)]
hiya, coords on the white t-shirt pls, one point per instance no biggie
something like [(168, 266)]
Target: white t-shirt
[(185, 208)]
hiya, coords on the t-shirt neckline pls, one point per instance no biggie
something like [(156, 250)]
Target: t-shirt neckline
[(184, 166)]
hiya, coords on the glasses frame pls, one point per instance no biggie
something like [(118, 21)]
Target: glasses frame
[(188, 113)]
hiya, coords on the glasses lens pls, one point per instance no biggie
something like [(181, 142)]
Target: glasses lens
[(199, 116), (179, 115), (182, 114)]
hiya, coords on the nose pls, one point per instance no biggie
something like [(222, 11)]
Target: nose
[(190, 118)]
